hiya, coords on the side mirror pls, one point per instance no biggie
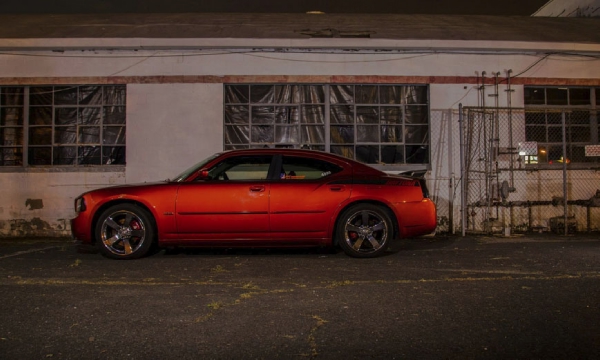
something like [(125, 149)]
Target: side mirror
[(202, 175)]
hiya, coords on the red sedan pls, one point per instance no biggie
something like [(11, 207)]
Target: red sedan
[(258, 198)]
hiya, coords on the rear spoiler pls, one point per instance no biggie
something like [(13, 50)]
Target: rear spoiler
[(420, 176)]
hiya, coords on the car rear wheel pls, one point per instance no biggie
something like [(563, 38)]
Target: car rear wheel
[(364, 230), (125, 231)]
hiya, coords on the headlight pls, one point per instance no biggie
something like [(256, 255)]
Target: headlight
[(79, 204)]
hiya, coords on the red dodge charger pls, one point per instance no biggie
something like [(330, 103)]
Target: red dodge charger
[(259, 198)]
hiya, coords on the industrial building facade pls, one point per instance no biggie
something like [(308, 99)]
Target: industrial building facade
[(115, 105)]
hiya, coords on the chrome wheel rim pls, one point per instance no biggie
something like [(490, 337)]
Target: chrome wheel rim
[(123, 233), (366, 231)]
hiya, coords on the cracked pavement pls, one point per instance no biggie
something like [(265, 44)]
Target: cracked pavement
[(435, 297)]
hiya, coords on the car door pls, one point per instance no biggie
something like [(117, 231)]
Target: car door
[(232, 202), (305, 198)]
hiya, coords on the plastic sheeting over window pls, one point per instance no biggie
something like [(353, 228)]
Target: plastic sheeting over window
[(11, 126), (376, 124), (77, 125)]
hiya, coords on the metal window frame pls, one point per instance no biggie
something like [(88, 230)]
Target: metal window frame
[(328, 125)]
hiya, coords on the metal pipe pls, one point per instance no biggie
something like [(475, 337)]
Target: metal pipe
[(511, 148), (463, 207), (564, 138)]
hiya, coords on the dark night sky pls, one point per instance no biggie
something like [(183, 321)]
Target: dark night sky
[(462, 7)]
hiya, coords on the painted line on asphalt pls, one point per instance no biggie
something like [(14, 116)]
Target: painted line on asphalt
[(28, 252)]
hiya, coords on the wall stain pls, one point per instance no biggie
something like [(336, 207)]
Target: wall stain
[(33, 227), (34, 204)]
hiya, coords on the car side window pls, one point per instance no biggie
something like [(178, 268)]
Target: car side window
[(301, 168), (241, 168)]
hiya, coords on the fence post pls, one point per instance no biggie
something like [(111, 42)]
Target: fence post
[(564, 151), (463, 207)]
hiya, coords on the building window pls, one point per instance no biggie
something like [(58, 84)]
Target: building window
[(375, 124), (63, 125), (545, 108)]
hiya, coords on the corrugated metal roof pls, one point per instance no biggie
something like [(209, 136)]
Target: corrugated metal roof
[(300, 26)]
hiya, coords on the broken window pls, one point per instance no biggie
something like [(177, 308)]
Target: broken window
[(65, 125), (376, 124)]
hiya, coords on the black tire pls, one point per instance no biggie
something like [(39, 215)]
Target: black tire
[(125, 231), (364, 230)]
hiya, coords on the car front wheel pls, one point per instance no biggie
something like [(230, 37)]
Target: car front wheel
[(364, 230), (125, 231)]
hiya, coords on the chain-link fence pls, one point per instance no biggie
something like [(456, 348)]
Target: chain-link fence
[(515, 170)]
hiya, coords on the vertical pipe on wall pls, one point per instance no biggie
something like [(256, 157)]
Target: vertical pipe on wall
[(565, 200), (463, 207)]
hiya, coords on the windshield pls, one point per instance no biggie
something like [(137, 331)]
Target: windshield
[(184, 175)]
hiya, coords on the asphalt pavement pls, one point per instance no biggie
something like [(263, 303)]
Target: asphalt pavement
[(485, 297)]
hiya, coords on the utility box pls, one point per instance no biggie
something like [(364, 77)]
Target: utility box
[(557, 224)]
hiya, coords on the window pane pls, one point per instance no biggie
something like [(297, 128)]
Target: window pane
[(300, 168), (415, 95), (555, 134), (366, 94), (89, 116), (287, 134), (263, 115), (368, 154), (113, 135), (65, 95), (11, 116), (40, 135), (90, 95), (40, 116), (287, 115), (312, 94), (11, 156), (534, 96), (557, 96), (342, 134), (89, 135), (313, 114), (11, 96), (114, 114), (65, 155), (346, 151), (113, 155), (579, 96), (342, 115), (11, 136), (417, 154), (392, 154), (416, 134), (391, 94), (115, 95), (391, 134), (313, 134), (40, 156), (263, 94), (237, 134), (237, 94), (367, 114), (417, 115), (237, 115), (40, 96), (579, 117), (578, 134), (367, 133), (341, 94), (553, 117), (89, 155), (65, 135), (535, 133), (532, 117), (262, 134), (391, 115), (65, 116)]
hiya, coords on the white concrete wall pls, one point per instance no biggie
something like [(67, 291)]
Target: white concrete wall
[(170, 127)]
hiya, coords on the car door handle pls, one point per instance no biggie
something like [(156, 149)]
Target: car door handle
[(257, 188), (336, 188)]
